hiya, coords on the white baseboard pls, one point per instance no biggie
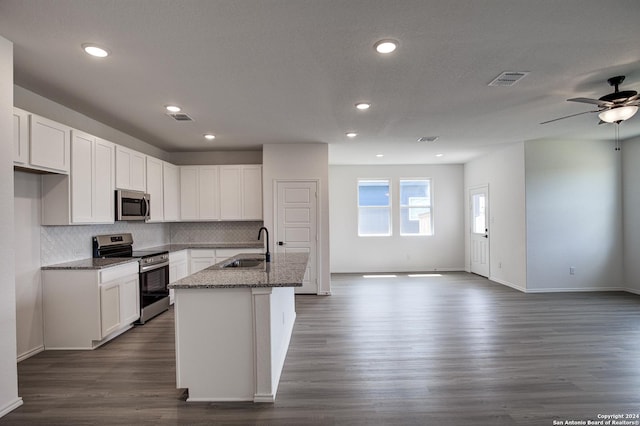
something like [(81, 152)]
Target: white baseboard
[(632, 290), (30, 353), (508, 284), (574, 290), (10, 407)]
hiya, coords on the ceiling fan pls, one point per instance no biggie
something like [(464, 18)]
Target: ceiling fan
[(612, 108)]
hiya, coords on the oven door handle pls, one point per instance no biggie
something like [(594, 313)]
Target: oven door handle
[(153, 267)]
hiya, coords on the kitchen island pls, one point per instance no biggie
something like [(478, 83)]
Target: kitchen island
[(233, 326)]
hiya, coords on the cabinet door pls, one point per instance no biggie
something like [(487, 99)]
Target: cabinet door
[(251, 192), (171, 187), (200, 264), (130, 169), (50, 144), (189, 193), (208, 183), (182, 270), (230, 192), (20, 136), (109, 308), (82, 157), (103, 182), (155, 188), (129, 300), (138, 171)]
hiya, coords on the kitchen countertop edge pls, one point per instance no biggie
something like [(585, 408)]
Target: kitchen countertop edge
[(97, 264)]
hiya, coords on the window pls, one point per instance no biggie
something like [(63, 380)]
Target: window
[(415, 207), (374, 208)]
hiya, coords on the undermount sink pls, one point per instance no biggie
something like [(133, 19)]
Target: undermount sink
[(244, 263)]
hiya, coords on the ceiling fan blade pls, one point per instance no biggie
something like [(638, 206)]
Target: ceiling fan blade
[(569, 116), (591, 101)]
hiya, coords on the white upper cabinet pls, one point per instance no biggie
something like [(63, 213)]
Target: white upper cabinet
[(20, 136), (252, 192), (241, 192), (50, 144), (230, 193), (87, 194), (171, 177), (199, 197), (155, 188), (40, 143), (130, 169)]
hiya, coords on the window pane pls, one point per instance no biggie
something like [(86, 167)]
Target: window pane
[(374, 208), (373, 193), (374, 221), (479, 215), (415, 207)]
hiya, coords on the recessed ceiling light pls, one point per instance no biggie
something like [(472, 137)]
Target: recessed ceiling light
[(94, 50), (439, 155), (386, 46), (379, 155), (173, 108), (209, 136), (363, 105), (351, 134)]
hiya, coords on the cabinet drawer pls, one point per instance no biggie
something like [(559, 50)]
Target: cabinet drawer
[(203, 253), (117, 272), (178, 256)]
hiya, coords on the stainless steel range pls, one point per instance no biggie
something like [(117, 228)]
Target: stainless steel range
[(154, 271)]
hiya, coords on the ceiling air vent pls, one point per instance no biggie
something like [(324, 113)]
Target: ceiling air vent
[(508, 78), (428, 139), (179, 116)]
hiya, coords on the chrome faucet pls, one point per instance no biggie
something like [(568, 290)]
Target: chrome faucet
[(267, 255)]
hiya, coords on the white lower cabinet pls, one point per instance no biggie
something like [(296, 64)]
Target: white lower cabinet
[(200, 259), (84, 308), (178, 268)]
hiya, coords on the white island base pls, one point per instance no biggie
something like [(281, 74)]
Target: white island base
[(231, 343)]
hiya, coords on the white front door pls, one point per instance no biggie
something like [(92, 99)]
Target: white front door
[(479, 238), (296, 226)]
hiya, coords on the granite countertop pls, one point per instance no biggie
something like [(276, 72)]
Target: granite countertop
[(184, 246), (284, 270), (93, 263)]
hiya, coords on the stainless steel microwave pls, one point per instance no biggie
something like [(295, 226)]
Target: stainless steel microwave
[(132, 205)]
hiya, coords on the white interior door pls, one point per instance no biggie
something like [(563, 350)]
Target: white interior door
[(296, 226), (479, 238)]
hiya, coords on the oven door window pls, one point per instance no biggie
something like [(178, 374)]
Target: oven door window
[(154, 283)]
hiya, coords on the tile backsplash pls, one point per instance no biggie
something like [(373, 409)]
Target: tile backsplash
[(59, 244), (205, 232)]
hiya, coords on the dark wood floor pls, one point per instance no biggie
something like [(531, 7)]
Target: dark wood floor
[(442, 350)]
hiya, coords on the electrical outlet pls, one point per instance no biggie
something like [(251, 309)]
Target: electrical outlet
[(499, 265), (572, 270)]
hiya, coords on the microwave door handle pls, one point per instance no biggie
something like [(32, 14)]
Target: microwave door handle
[(145, 210)]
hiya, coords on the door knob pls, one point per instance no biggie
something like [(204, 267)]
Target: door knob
[(281, 243)]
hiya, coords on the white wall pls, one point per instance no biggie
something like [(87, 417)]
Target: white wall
[(300, 161), (504, 172), (574, 216), (442, 251), (631, 212), (9, 399), (40, 105), (30, 339), (216, 157)]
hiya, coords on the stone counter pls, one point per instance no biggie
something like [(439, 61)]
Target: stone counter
[(284, 270)]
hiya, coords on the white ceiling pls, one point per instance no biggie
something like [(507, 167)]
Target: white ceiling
[(255, 72)]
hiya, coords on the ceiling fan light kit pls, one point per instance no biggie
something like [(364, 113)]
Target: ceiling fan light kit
[(617, 114)]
